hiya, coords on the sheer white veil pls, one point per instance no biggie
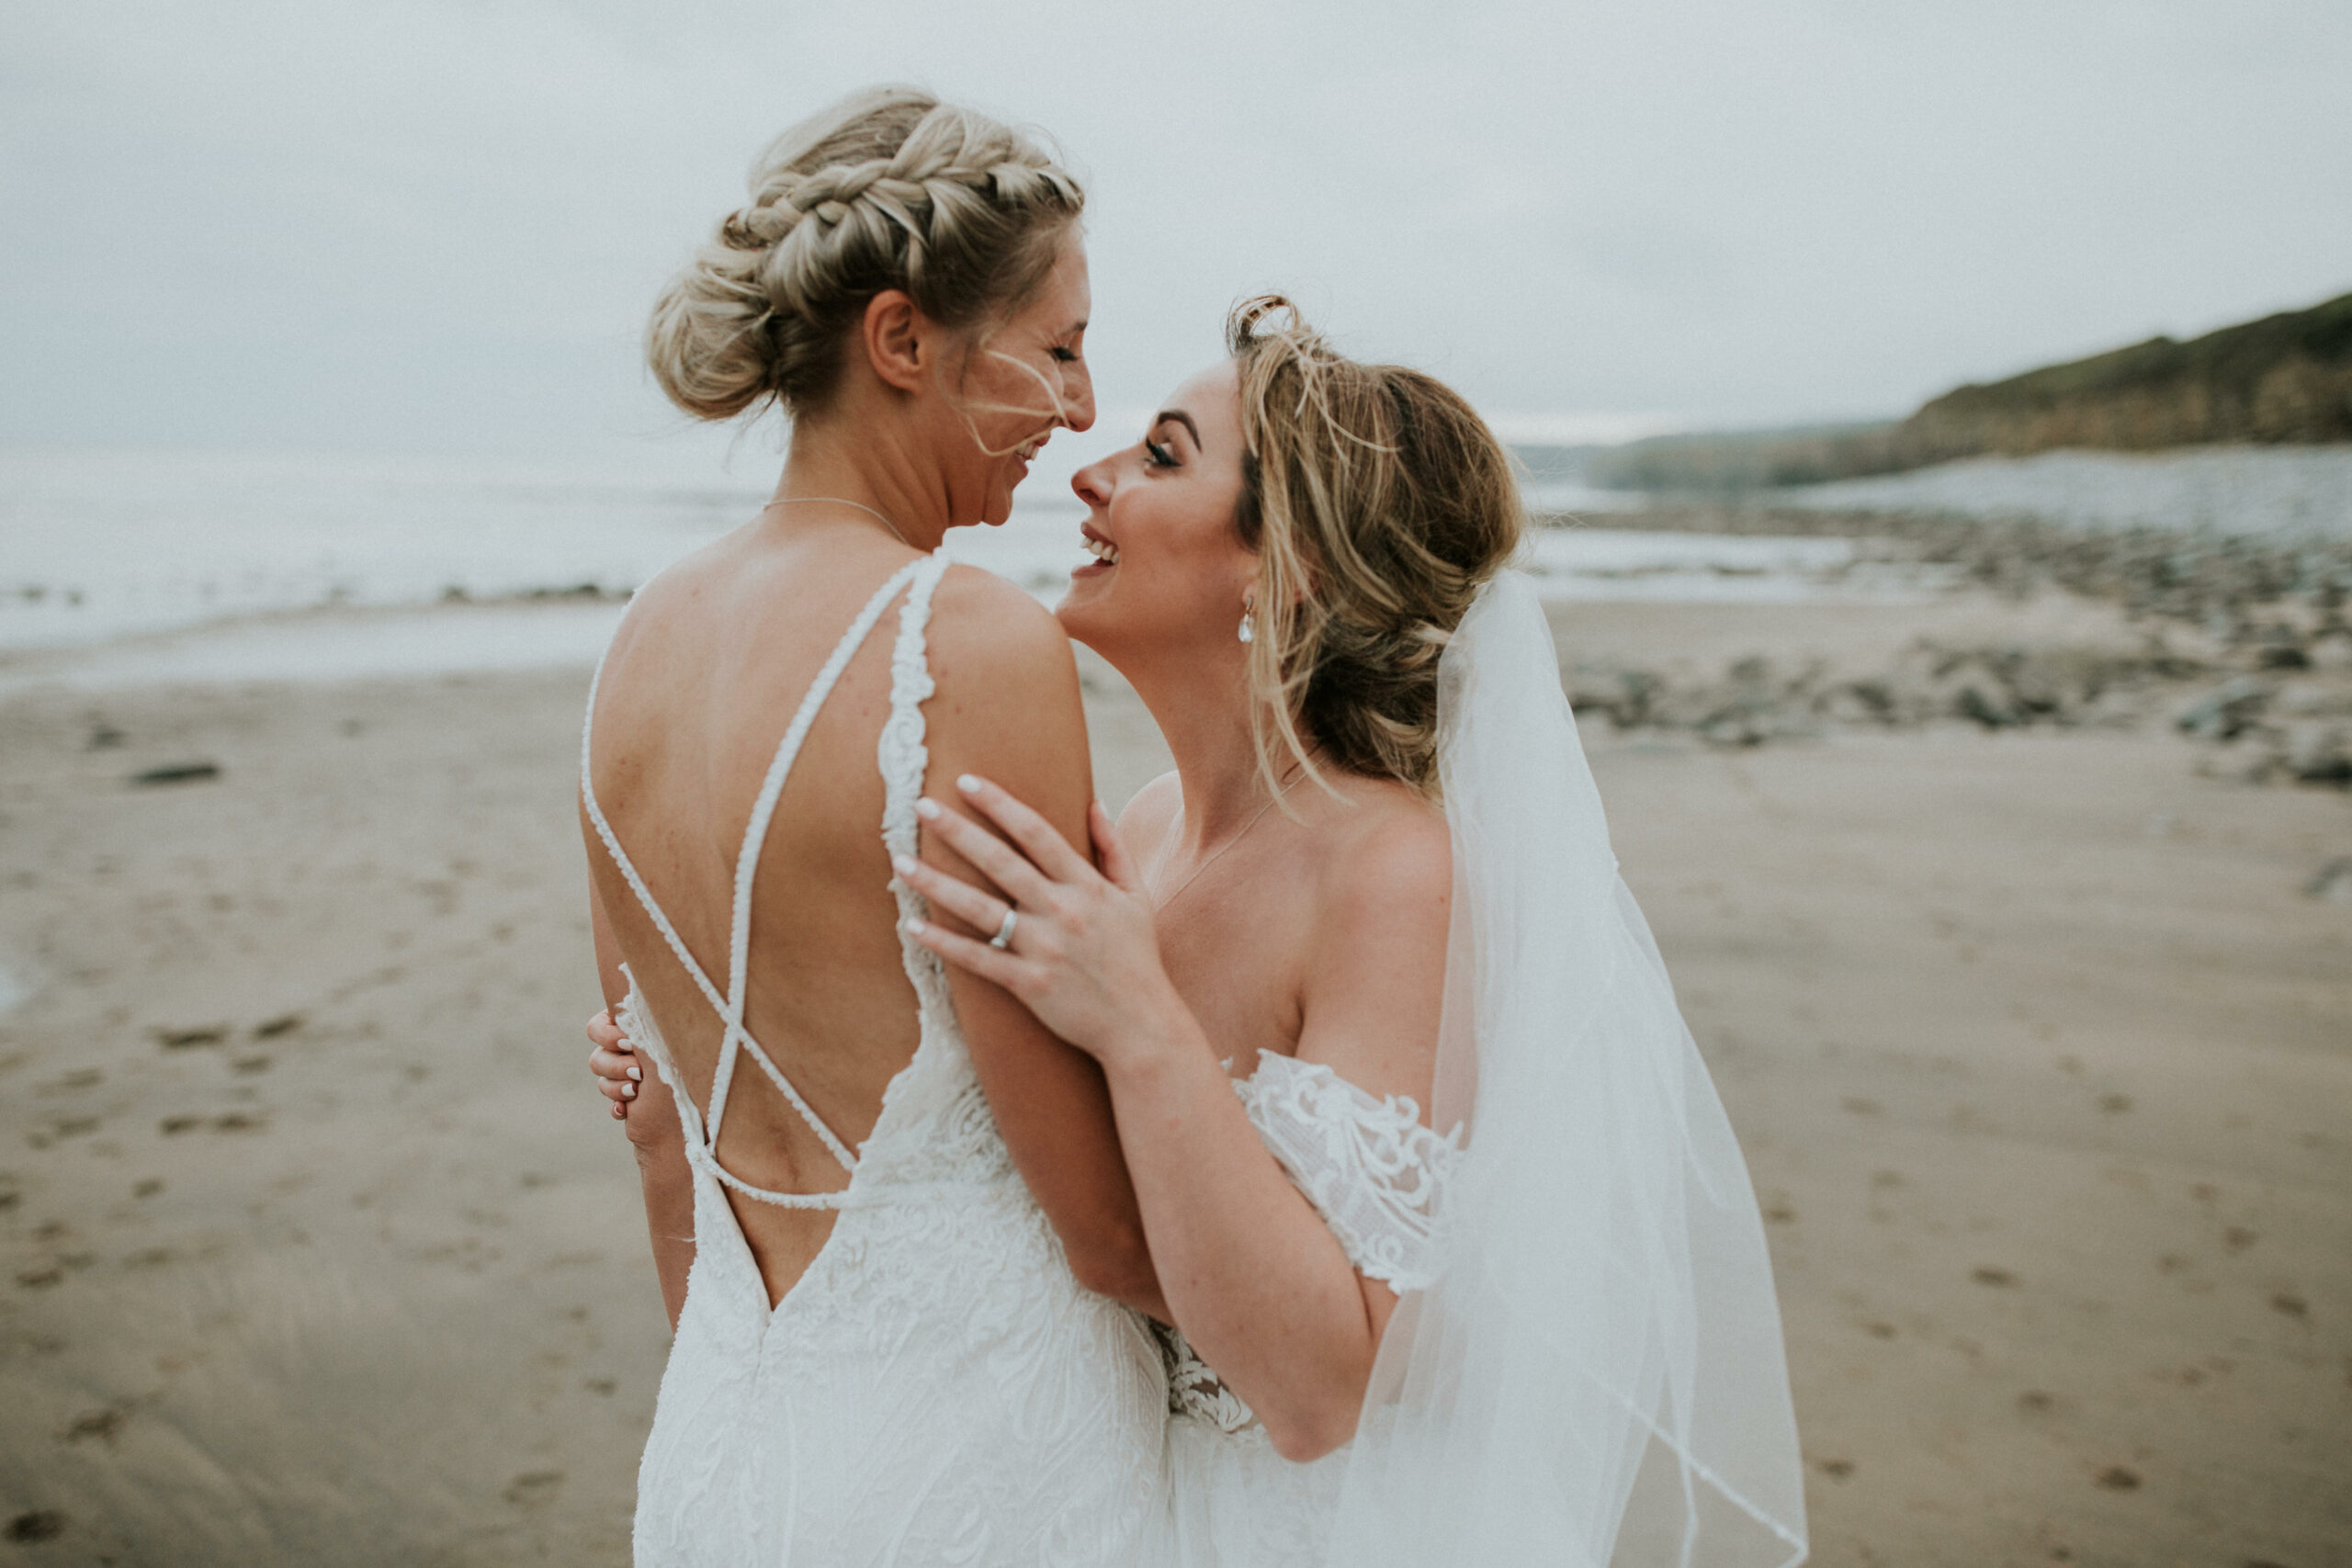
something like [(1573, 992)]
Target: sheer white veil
[(1597, 1373)]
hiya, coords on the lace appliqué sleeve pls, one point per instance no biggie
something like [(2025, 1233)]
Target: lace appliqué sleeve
[(1370, 1168)]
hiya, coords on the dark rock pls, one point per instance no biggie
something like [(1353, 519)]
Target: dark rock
[(2320, 754), (37, 1524), (105, 1425), (176, 772), (2332, 881), (2227, 712)]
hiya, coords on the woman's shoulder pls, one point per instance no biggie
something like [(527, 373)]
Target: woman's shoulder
[(981, 625), (1375, 960), (1389, 843), (670, 595), (1383, 887), (1004, 698)]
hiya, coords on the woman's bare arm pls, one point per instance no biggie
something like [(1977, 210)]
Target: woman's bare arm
[(1007, 707), (653, 1133)]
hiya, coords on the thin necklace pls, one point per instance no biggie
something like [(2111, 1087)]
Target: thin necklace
[(844, 501), (1168, 845)]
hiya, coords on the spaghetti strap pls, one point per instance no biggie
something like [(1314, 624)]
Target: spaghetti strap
[(702, 1128)]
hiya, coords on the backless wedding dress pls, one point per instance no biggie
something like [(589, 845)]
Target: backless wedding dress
[(937, 1388)]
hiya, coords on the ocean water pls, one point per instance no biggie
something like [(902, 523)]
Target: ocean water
[(2276, 491), (133, 565), (96, 546)]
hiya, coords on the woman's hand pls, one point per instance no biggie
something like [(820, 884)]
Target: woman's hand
[(613, 1061), (1084, 955), (620, 1077), (658, 1141)]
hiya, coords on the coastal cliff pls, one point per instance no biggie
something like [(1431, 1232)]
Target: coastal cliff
[(2284, 378)]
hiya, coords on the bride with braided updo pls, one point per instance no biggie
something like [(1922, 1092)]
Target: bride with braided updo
[(893, 1230), (1377, 1112)]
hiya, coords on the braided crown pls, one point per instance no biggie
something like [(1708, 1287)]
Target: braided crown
[(888, 189)]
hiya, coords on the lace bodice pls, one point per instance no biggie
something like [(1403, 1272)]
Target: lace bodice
[(936, 1387), (1371, 1170)]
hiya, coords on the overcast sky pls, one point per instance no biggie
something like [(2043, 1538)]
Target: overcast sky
[(434, 225)]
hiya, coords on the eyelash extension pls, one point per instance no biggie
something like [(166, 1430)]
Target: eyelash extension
[(1161, 458)]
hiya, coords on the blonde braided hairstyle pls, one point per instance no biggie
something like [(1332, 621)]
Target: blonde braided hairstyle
[(1378, 502), (888, 189)]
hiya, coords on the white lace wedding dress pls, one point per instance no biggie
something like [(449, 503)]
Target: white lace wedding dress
[(937, 1388), (1584, 1364), (1375, 1174)]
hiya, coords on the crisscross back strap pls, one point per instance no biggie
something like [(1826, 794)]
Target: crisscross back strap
[(702, 1141)]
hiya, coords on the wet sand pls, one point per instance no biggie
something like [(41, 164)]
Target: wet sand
[(316, 1248)]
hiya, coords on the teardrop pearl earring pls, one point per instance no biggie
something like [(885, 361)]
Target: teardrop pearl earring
[(1248, 628)]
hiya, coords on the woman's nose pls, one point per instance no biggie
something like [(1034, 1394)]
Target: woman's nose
[(1078, 397), (1093, 483)]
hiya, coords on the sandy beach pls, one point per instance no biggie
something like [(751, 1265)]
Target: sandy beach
[(315, 1245)]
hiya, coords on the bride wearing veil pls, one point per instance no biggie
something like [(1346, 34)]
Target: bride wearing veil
[(1568, 1349)]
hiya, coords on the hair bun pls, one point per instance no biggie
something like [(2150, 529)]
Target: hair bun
[(1378, 502), (889, 188)]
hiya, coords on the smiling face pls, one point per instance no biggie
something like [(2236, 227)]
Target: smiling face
[(1169, 573), (1016, 383)]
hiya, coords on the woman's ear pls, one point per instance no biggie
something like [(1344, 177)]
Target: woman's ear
[(899, 342)]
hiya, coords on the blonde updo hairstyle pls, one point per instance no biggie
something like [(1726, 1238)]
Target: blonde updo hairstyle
[(1378, 502), (888, 189)]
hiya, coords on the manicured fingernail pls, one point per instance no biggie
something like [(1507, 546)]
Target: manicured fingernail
[(927, 809), (637, 1074), (913, 927), (969, 782), (628, 1092), (903, 864)]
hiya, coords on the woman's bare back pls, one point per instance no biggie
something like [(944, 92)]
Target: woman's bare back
[(699, 686), (697, 691), (877, 1305)]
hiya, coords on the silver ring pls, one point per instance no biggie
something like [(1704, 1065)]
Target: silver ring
[(1003, 938)]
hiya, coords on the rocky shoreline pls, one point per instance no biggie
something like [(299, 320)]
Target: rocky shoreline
[(2241, 644)]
